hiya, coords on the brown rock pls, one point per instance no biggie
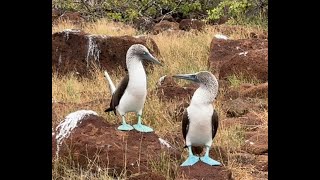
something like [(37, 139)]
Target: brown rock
[(188, 24), (250, 122), (261, 163), (244, 158), (95, 140), (76, 51), (147, 176), (170, 90), (247, 91), (59, 108), (251, 64), (202, 171), (144, 24), (235, 108), (257, 144), (54, 144), (260, 91), (222, 50), (173, 151), (164, 26)]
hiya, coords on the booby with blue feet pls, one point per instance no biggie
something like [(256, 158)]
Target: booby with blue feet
[(200, 119), (130, 94)]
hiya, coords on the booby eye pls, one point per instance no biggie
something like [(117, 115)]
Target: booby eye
[(144, 53)]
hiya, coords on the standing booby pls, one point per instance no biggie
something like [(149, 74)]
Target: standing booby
[(200, 120), (131, 93)]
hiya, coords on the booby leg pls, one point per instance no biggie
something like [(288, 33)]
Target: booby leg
[(140, 127), (206, 159), (125, 126), (192, 159)]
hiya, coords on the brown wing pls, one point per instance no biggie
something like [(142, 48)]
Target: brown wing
[(215, 123), (185, 124), (116, 96)]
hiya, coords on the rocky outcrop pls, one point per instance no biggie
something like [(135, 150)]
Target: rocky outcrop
[(77, 51)]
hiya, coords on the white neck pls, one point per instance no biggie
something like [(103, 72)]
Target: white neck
[(202, 96), (137, 74)]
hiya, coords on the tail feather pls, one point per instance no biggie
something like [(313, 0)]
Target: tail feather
[(111, 85)]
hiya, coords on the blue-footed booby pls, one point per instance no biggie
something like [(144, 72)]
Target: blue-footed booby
[(200, 119), (131, 92)]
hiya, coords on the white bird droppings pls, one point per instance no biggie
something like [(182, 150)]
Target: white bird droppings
[(161, 79), (93, 50), (221, 36), (71, 121), (243, 53), (165, 143)]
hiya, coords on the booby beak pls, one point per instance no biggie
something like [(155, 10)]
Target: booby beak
[(190, 77), (149, 57)]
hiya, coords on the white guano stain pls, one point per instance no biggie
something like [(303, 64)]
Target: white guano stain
[(70, 122), (165, 143)]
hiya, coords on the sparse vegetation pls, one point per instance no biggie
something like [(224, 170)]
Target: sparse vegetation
[(237, 11), (237, 79), (180, 54)]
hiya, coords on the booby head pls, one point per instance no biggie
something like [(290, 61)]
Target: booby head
[(140, 52), (205, 79)]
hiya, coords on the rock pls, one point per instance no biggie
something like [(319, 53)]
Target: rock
[(259, 175), (147, 176), (170, 149), (164, 26), (261, 163), (202, 171), (244, 158), (144, 24), (235, 108), (54, 144), (188, 24), (76, 51), (248, 91), (260, 91), (249, 122), (256, 144), (222, 50), (61, 108), (93, 139), (250, 64), (170, 90)]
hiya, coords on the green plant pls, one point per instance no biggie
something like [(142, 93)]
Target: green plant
[(244, 12)]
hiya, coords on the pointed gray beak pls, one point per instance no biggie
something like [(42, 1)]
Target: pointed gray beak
[(149, 57), (190, 77)]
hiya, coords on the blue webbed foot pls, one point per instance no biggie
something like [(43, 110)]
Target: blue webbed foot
[(192, 159), (142, 128), (125, 127), (210, 161)]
